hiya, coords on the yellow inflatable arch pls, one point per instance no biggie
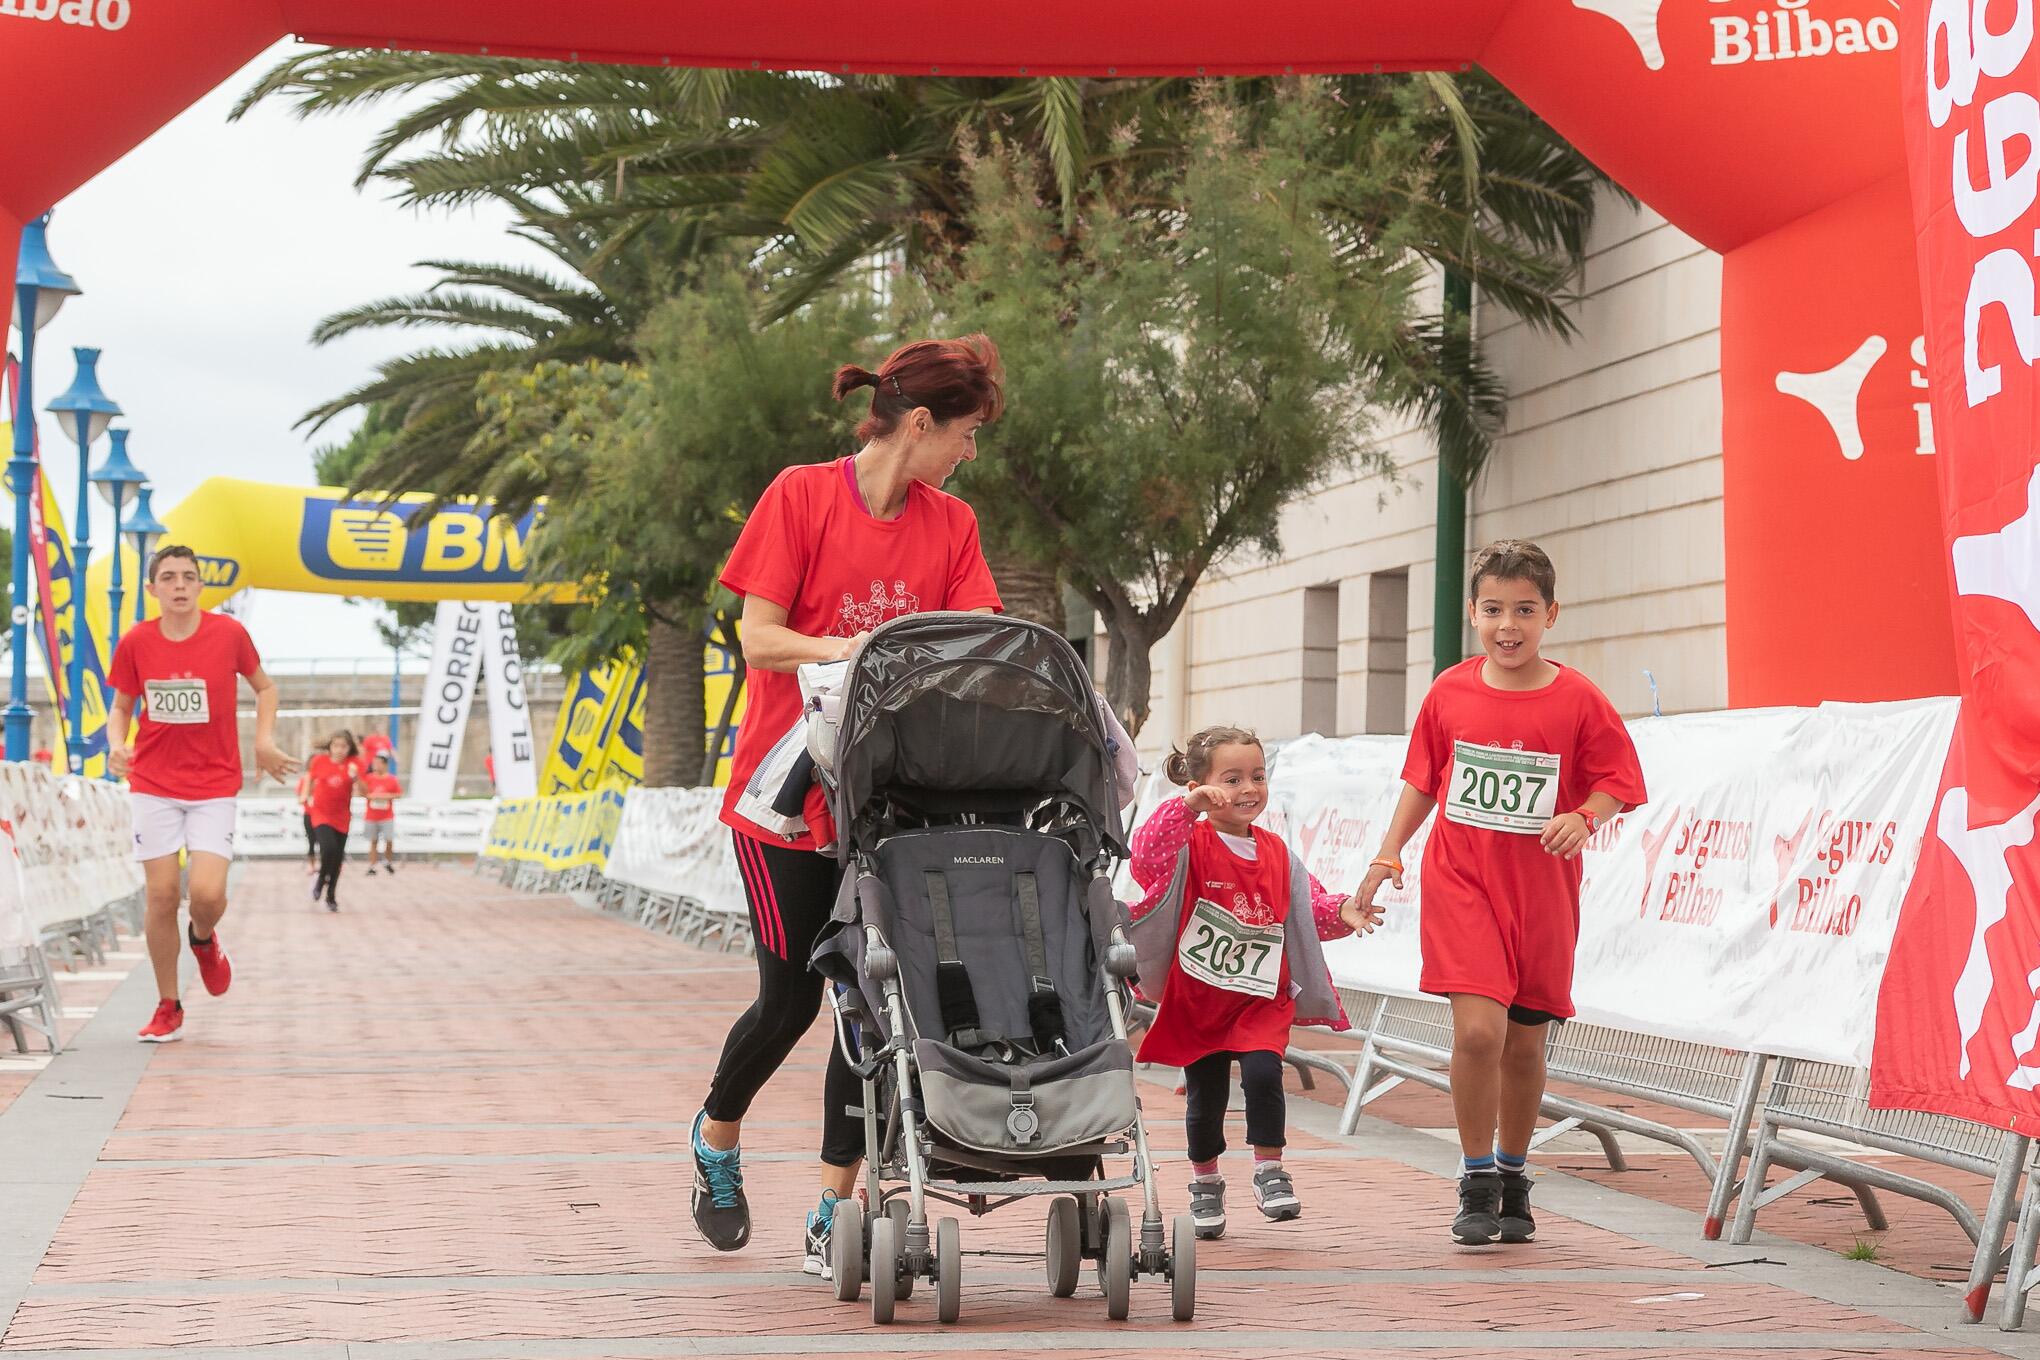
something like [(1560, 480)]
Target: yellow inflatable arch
[(316, 539)]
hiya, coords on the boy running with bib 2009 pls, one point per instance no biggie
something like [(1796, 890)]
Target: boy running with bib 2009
[(1524, 758), (184, 767)]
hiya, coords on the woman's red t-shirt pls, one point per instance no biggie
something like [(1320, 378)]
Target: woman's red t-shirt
[(812, 548), (333, 790)]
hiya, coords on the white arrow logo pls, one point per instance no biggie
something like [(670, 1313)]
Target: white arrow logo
[(2005, 564), (1984, 854), (1834, 393), (1639, 19)]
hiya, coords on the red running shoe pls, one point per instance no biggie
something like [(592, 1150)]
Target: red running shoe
[(165, 1026), (213, 969)]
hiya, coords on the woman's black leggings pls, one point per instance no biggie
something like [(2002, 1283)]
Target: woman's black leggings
[(332, 843), (1207, 1087), (791, 893), (311, 841)]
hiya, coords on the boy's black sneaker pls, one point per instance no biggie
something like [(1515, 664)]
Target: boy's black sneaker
[(1480, 1204), (1517, 1225), (721, 1213)]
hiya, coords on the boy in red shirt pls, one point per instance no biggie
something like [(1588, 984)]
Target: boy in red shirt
[(1528, 758), (380, 813), (184, 768)]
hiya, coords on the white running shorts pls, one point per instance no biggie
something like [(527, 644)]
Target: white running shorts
[(163, 826)]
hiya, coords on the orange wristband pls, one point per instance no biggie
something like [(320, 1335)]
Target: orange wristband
[(1383, 862)]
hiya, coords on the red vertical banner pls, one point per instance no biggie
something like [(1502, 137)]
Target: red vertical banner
[(1828, 458), (1958, 1027)]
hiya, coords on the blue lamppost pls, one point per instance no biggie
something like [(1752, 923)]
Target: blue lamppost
[(115, 478), (143, 529), (40, 288), (90, 411)]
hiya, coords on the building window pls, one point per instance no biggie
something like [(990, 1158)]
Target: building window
[(1388, 649), (1320, 660)]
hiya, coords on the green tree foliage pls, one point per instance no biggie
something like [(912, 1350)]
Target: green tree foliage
[(1175, 381), (653, 467)]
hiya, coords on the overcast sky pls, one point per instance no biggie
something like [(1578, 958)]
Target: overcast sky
[(207, 255)]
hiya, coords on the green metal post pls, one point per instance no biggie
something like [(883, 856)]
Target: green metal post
[(1448, 607)]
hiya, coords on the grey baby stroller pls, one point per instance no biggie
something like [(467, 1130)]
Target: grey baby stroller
[(976, 943)]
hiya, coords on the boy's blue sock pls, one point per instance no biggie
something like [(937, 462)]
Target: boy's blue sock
[(1477, 1166), (824, 1213), (1513, 1165)]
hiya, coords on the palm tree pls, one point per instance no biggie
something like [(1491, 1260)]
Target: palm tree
[(821, 174)]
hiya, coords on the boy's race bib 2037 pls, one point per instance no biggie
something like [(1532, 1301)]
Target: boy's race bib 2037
[(177, 701), (1216, 947), (1501, 790)]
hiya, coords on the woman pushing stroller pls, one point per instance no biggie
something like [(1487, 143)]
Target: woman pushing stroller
[(1231, 972)]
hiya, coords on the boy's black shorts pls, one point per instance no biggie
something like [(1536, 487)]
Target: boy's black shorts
[(1523, 1015)]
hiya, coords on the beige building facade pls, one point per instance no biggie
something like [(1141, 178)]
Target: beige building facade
[(1611, 459)]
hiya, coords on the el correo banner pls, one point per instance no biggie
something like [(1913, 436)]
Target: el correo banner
[(510, 740), (457, 648), (1750, 904)]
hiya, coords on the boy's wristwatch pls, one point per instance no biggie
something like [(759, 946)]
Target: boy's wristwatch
[(1593, 822)]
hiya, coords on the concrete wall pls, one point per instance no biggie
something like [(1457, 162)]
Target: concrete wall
[(1611, 460)]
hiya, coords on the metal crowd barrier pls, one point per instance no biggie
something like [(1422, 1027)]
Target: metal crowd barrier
[(1831, 1101), (2021, 1278), (1406, 1039), (28, 1000)]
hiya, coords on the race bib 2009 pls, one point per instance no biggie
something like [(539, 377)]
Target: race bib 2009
[(177, 701), (1216, 947), (1500, 790)]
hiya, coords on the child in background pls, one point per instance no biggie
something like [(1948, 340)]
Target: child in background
[(380, 813), (1221, 951), (1528, 758)]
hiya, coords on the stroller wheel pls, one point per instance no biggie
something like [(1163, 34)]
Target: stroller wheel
[(1183, 1270), (846, 1248), (948, 1272), (885, 1269), (898, 1210), (1065, 1246), (1115, 1272)]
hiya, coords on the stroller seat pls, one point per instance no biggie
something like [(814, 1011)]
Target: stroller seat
[(1011, 1035)]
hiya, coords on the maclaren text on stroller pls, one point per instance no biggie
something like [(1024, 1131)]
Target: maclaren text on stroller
[(978, 945)]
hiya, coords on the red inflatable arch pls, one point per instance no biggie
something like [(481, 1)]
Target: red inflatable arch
[(1767, 130), (1775, 131)]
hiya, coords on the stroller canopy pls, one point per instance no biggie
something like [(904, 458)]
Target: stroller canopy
[(970, 713)]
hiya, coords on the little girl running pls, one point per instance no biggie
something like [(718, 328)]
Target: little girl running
[(1229, 975)]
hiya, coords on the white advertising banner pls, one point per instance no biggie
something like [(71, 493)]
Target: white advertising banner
[(1750, 904), (510, 739), (457, 647)]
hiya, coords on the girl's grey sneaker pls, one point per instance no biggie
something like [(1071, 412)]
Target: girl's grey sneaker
[(1276, 1193), (721, 1213), (819, 1221), (1480, 1209), (1207, 1207), (1517, 1225)]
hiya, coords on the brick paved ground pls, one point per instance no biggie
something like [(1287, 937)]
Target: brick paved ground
[(451, 1121)]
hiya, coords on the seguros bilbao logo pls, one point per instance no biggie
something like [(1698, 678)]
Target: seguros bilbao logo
[(464, 542), (1821, 893), (1780, 30), (111, 15)]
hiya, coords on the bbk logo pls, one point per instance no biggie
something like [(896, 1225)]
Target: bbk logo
[(1781, 30), (111, 15)]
